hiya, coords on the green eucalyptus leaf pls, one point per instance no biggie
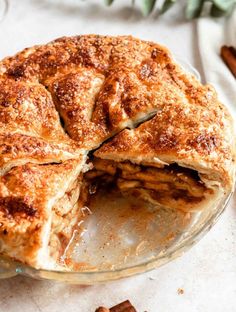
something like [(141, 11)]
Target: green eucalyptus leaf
[(194, 8), (109, 2), (147, 6), (223, 5), (167, 5), (217, 12)]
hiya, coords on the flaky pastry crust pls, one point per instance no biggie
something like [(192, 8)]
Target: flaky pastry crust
[(61, 100)]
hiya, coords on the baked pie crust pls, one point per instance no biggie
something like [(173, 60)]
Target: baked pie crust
[(120, 103)]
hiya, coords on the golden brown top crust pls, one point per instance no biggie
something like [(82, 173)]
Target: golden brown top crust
[(200, 137), (30, 128), (27, 194), (91, 87), (18, 149), (32, 186), (28, 107), (99, 84)]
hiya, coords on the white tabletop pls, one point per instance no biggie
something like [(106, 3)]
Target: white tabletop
[(207, 273)]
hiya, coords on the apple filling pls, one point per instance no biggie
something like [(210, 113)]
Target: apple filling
[(65, 214), (172, 186)]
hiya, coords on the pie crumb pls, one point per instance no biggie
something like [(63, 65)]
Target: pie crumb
[(180, 291)]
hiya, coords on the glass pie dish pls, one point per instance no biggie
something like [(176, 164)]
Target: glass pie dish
[(120, 237)]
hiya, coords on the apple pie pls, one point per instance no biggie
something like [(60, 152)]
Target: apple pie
[(114, 111)]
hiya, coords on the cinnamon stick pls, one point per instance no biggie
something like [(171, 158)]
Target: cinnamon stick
[(228, 55), (102, 309), (125, 306)]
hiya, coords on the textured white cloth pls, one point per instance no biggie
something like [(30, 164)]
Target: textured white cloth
[(207, 273), (212, 35)]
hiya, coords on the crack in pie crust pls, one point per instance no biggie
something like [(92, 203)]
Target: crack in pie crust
[(118, 102)]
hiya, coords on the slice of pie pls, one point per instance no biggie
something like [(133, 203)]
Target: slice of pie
[(30, 127), (148, 127), (38, 211)]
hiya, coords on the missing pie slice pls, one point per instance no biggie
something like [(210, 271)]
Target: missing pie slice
[(123, 104), (169, 186)]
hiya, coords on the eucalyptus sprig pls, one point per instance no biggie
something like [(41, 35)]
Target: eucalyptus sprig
[(194, 8)]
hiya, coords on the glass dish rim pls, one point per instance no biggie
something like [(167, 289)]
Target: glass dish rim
[(108, 275)]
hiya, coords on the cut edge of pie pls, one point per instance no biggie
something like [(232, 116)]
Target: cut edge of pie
[(37, 226), (169, 186)]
